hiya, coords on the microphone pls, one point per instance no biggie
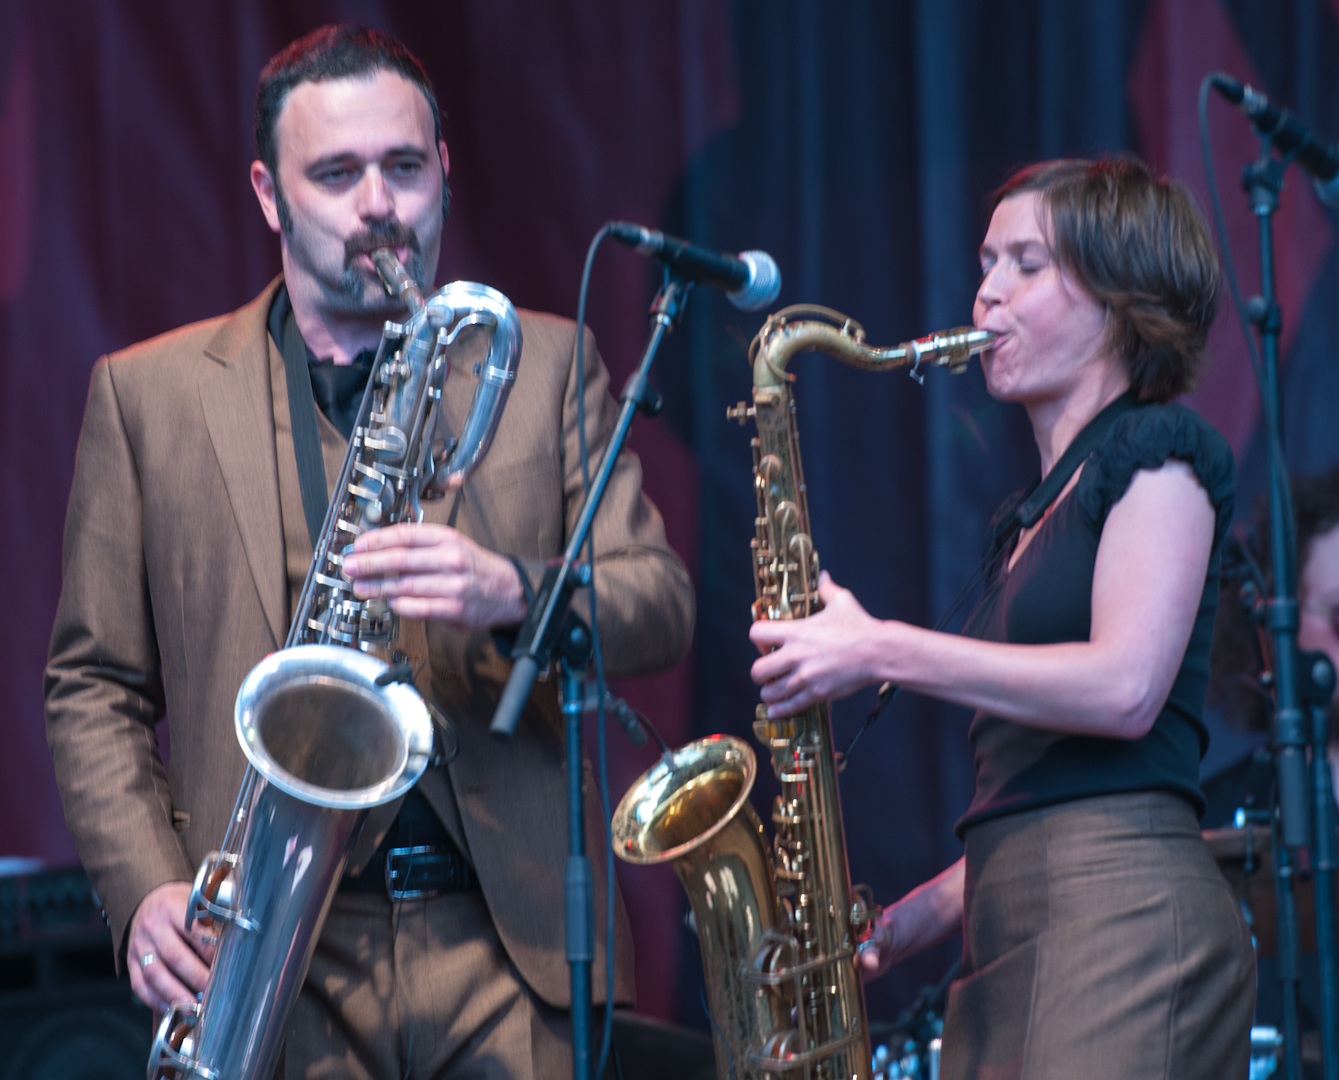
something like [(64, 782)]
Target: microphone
[(629, 719), (1288, 133), (751, 278)]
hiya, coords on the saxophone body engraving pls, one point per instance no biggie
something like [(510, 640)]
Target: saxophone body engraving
[(779, 925), (328, 728)]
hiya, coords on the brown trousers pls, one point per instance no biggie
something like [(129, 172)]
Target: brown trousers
[(430, 996), (1100, 941)]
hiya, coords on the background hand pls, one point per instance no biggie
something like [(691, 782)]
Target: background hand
[(435, 572), (880, 950), (180, 964), (927, 915)]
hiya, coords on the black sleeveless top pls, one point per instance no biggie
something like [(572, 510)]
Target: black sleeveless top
[(1047, 598)]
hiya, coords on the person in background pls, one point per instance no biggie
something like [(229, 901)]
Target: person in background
[(1237, 653), (1239, 648)]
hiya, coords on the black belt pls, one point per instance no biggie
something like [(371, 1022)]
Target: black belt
[(417, 860)]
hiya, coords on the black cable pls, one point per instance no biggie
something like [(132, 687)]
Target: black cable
[(887, 692), (606, 1037), (730, 1057)]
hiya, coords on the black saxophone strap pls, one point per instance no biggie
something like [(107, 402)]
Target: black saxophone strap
[(1043, 493), (306, 433)]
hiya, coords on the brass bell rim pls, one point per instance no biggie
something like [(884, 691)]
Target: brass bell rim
[(693, 760)]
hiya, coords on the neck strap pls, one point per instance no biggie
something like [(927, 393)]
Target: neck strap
[(1043, 493), (302, 414)]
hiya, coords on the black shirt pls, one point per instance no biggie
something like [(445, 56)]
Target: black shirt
[(336, 388), (1047, 598)]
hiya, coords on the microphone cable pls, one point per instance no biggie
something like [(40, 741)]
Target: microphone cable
[(602, 769)]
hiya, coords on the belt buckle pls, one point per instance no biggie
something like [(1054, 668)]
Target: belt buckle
[(400, 864)]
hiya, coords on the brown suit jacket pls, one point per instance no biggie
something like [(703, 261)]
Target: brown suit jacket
[(174, 587)]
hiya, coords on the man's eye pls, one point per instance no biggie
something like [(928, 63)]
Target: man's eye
[(406, 168), (335, 176)]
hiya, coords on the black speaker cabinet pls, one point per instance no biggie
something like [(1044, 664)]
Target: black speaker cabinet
[(63, 1013)]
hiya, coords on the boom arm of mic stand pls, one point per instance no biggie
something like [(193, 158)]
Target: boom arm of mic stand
[(543, 622)]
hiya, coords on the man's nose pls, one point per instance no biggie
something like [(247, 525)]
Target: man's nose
[(375, 201)]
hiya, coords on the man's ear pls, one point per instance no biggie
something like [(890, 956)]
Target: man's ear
[(262, 183), (446, 158)]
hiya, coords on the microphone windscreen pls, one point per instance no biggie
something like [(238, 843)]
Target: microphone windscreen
[(763, 285)]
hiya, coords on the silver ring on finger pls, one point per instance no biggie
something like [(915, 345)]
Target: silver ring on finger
[(145, 960)]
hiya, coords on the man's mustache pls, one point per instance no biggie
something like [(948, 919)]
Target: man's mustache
[(392, 234)]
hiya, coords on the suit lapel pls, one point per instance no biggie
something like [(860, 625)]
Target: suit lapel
[(239, 412)]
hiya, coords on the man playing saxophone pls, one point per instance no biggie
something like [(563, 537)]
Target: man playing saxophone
[(189, 534)]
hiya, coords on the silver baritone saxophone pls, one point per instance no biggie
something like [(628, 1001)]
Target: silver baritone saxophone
[(779, 925), (325, 741)]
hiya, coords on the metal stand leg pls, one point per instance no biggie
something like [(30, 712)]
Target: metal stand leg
[(1317, 686), (1289, 976), (578, 886)]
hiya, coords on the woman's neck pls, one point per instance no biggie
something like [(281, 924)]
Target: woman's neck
[(1057, 421)]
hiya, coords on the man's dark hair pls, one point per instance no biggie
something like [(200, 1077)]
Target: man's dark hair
[(333, 52), (1137, 244)]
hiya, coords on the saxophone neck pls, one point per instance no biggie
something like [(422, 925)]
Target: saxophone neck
[(811, 328)]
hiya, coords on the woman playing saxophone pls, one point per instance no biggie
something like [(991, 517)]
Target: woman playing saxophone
[(1099, 938)]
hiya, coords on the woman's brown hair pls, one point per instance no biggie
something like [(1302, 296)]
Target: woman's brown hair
[(1137, 244)]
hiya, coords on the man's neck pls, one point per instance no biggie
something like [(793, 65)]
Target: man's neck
[(336, 336)]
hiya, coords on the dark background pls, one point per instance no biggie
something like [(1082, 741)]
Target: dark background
[(856, 141)]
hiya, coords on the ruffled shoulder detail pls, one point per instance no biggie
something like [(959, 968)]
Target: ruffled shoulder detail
[(1147, 437)]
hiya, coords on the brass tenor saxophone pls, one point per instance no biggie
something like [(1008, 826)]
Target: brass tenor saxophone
[(779, 929), (328, 731)]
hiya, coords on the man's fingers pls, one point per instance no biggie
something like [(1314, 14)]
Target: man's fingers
[(447, 587), (157, 984), (392, 562), (175, 958), (421, 607), (401, 535)]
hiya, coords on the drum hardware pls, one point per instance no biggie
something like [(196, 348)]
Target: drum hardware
[(911, 1043), (1245, 856)]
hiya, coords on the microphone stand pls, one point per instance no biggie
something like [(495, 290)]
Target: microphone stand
[(1292, 826), (548, 626), (538, 634), (578, 885), (1317, 690)]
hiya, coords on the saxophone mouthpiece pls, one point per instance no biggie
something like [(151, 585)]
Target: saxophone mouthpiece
[(952, 348), (397, 280)]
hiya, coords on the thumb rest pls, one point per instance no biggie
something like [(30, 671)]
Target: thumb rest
[(328, 731), (779, 925)]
